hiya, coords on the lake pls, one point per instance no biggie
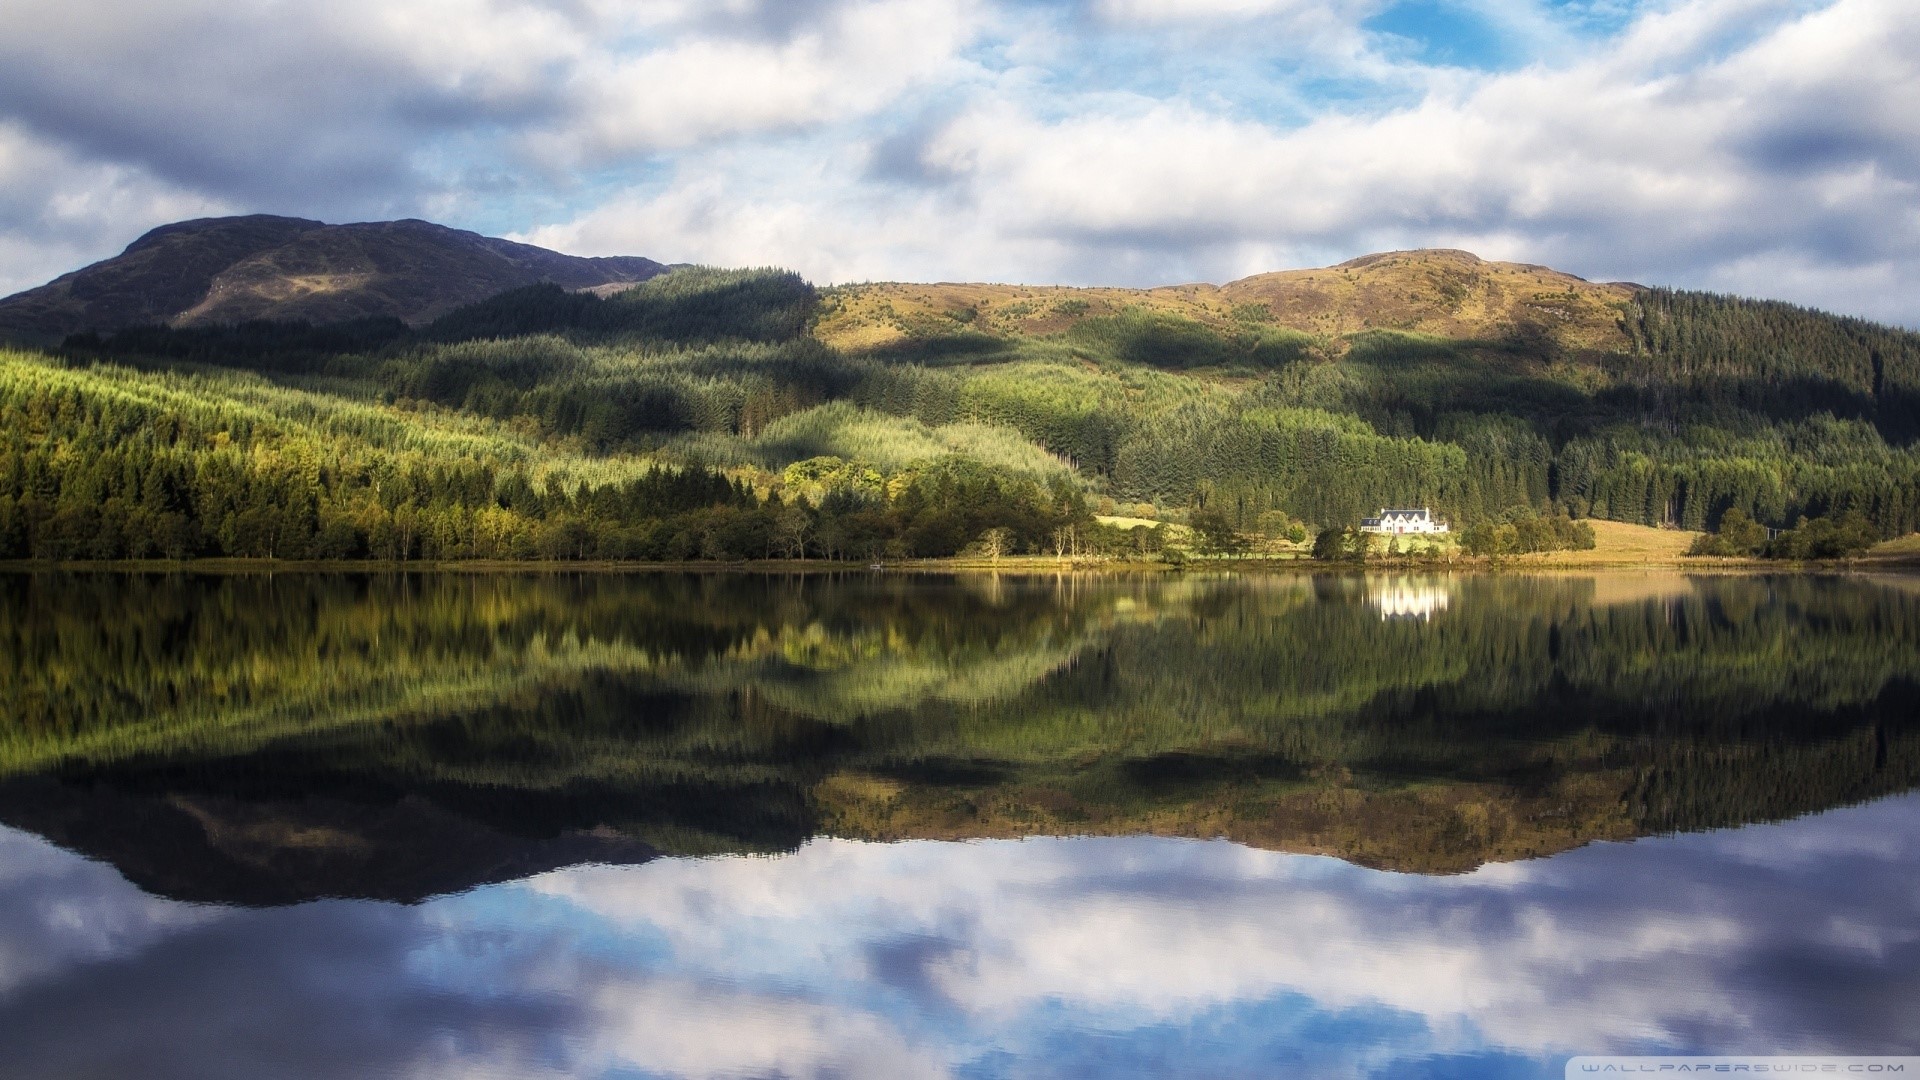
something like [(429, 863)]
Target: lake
[(895, 825)]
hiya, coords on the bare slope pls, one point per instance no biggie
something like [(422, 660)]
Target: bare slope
[(219, 270), (1448, 293)]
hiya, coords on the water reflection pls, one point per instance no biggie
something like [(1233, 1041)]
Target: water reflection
[(1408, 596), (630, 826), (1134, 956), (265, 740)]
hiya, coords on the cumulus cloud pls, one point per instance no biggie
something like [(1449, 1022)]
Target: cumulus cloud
[(271, 99), (267, 101), (1725, 143), (362, 109), (59, 210), (853, 60), (686, 1029), (1761, 146)]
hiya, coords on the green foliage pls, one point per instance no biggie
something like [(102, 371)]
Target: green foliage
[(1776, 359), (1139, 336), (1217, 534), (686, 305), (1824, 538), (1738, 535), (1339, 544), (109, 463), (1523, 532), (261, 346), (1711, 405), (843, 430)]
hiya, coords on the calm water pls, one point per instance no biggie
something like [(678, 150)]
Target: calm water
[(734, 826)]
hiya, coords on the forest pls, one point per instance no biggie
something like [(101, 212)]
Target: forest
[(700, 416)]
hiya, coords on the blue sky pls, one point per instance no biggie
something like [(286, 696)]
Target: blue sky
[(1767, 147)]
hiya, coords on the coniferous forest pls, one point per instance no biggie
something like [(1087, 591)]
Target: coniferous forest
[(703, 415)]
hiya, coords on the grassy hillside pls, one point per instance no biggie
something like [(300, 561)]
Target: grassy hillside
[(1449, 294), (876, 420), (1630, 404)]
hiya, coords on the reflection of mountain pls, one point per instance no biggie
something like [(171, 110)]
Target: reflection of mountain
[(263, 850), (714, 713)]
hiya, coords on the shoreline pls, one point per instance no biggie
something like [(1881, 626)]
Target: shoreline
[(1544, 562)]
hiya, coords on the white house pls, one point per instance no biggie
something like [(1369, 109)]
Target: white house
[(1419, 522)]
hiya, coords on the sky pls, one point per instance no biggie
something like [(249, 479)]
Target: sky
[(1762, 147)]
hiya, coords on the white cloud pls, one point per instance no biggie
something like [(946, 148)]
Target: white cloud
[(1162, 11), (361, 108), (1724, 143), (1768, 146), (58, 210), (856, 59)]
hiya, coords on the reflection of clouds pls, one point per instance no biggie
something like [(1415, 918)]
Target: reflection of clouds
[(1136, 956), (58, 910), (1677, 941), (686, 1030), (309, 993)]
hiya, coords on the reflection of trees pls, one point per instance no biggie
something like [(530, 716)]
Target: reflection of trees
[(711, 712), (104, 666)]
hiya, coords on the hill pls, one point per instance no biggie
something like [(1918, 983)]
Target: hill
[(225, 270), (878, 420), (1445, 293)]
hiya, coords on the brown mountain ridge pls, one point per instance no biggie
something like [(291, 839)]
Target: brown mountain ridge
[(225, 270), (228, 270)]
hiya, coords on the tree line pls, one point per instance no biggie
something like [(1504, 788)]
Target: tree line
[(1740, 536)]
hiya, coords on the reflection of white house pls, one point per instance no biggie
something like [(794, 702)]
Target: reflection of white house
[(1405, 598), (1404, 522)]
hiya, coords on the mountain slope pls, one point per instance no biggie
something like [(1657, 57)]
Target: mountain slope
[(1446, 293), (916, 419), (223, 270)]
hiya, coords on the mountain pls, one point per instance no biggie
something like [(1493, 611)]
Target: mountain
[(1442, 293), (228, 270), (204, 847)]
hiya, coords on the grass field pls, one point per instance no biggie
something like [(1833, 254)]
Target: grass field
[(1904, 549), (1617, 543)]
